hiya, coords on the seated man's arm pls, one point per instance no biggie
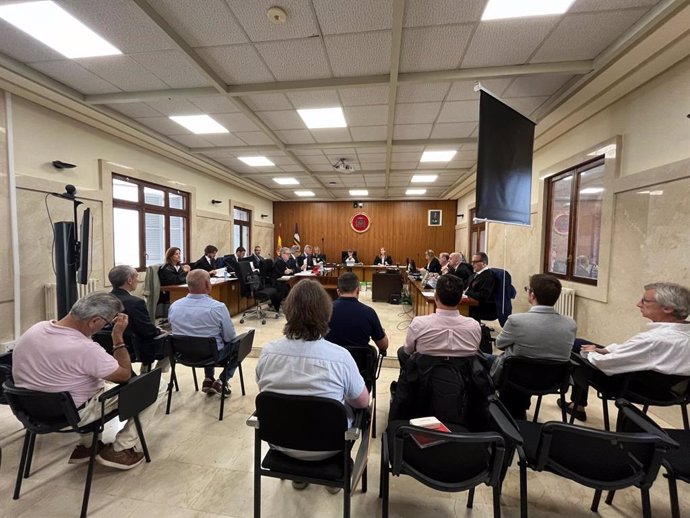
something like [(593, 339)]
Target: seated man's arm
[(636, 354), (411, 338), (507, 336), (362, 401), (141, 321), (227, 329), (382, 344), (120, 353), (483, 290)]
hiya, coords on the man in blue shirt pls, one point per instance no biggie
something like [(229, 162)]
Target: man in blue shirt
[(200, 315), (352, 322)]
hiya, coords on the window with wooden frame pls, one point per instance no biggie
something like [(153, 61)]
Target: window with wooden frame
[(147, 220), (574, 200), (242, 225), (477, 235)]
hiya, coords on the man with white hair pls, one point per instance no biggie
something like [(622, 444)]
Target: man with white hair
[(59, 356), (198, 314)]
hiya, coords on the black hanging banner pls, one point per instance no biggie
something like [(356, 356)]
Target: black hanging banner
[(504, 163)]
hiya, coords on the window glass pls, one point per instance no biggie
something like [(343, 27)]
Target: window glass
[(559, 224), (177, 234), (154, 197), (588, 227), (126, 236), (123, 190), (155, 238), (241, 214), (176, 201)]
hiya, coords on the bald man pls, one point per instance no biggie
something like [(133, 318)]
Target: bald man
[(200, 315)]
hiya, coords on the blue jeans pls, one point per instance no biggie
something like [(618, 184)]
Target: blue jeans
[(228, 350)]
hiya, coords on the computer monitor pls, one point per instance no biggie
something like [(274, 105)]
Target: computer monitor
[(413, 267)]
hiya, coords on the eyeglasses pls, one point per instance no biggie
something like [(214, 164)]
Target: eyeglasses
[(528, 289), (644, 300), (106, 320)]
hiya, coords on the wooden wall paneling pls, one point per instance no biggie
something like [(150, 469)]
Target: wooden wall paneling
[(399, 226)]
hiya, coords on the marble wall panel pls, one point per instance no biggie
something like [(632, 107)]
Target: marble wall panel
[(212, 231), (262, 235), (6, 270)]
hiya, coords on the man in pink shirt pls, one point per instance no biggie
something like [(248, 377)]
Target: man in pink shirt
[(59, 356), (446, 332)]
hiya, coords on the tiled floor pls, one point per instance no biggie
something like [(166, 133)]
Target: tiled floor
[(202, 467)]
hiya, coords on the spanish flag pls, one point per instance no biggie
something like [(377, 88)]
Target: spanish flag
[(280, 238)]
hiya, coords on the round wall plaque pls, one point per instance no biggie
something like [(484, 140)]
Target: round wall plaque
[(360, 222)]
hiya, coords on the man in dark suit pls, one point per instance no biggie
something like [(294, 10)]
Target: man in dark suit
[(458, 267), (149, 343), (232, 262), (207, 261), (257, 258), (481, 288), (281, 268), (306, 260)]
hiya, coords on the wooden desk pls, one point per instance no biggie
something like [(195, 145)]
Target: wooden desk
[(226, 291), (329, 282), (364, 272), (425, 304), (385, 284)]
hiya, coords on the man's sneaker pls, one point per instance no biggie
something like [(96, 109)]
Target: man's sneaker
[(207, 386), (125, 459), (299, 486), (218, 388), (82, 454)]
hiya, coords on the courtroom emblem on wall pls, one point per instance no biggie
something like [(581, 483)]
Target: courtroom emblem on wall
[(360, 222)]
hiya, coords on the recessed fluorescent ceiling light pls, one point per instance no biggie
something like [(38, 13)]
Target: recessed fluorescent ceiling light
[(199, 124), (359, 192), (438, 156), (304, 193), (286, 181), (256, 161), (52, 25), (501, 9), (591, 190), (415, 191), (424, 178), (323, 118)]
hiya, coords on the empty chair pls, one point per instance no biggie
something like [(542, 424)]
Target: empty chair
[(306, 423), (43, 413), (251, 287), (534, 377), (602, 460)]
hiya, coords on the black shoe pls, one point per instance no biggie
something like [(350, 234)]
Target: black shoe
[(580, 415)]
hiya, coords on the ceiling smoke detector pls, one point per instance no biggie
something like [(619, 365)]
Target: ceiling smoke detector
[(277, 15), (343, 167)]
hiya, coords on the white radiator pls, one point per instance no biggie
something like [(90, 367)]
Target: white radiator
[(50, 293), (565, 304)]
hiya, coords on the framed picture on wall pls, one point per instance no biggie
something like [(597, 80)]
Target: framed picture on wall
[(435, 218)]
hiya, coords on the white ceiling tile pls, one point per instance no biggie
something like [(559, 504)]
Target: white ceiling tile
[(341, 16), (339, 152), (163, 125), (409, 156), (433, 48), (598, 5), (411, 131), (470, 147), (466, 154), (252, 16), (507, 42), (331, 135), (209, 26), (122, 23), (175, 106), (403, 165), (190, 140), (373, 166), (73, 75), (171, 67), (408, 149), (291, 168), (254, 138), (308, 152), (585, 36), (314, 99), (526, 105), (235, 122), (371, 157), (321, 167), (223, 139), (366, 115), (267, 102), (453, 130), (135, 110), (371, 150), (399, 180), (295, 136), (459, 111), (464, 90), (282, 120), (214, 104), (293, 60), (369, 132), (364, 96), (346, 50), (315, 159), (420, 92), (462, 164), (237, 64), (123, 72), (542, 84), (442, 12), (416, 113), (282, 160)]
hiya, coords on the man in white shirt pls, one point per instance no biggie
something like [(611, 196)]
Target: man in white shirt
[(664, 347)]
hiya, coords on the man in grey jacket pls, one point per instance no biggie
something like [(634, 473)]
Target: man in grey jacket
[(541, 333)]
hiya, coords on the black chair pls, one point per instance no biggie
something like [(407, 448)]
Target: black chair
[(200, 351), (461, 462), (304, 423), (5, 373), (369, 363), (251, 288), (44, 412), (602, 460), (676, 461), (534, 377)]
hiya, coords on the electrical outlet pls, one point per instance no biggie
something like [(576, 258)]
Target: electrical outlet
[(6, 347)]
